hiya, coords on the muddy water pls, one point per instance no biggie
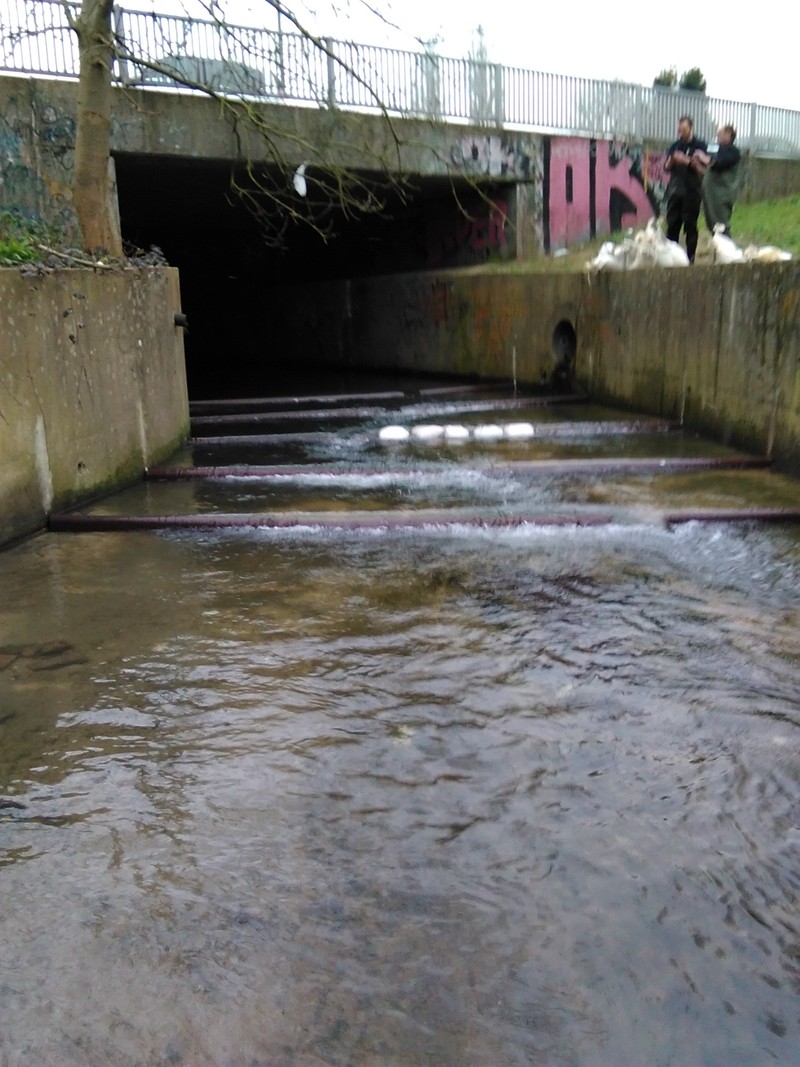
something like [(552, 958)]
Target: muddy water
[(444, 798)]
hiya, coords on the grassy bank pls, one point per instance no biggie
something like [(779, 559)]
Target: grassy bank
[(769, 222)]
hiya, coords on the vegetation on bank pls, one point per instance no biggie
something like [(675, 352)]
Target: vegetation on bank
[(769, 222), (19, 240), (36, 248)]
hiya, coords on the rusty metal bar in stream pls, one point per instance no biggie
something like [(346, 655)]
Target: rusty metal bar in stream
[(264, 472), (78, 523), (675, 518), (632, 465), (332, 399), (612, 465), (73, 522), (331, 413), (519, 400), (296, 416), (260, 439), (285, 401)]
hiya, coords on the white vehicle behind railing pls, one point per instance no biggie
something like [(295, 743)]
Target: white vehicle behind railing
[(289, 67), (222, 76)]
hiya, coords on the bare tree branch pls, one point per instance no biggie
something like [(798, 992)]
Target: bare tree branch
[(330, 187)]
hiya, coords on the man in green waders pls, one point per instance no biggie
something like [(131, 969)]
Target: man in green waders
[(721, 181)]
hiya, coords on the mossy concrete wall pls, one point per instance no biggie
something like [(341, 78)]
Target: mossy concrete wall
[(769, 179), (469, 322), (715, 347), (92, 386)]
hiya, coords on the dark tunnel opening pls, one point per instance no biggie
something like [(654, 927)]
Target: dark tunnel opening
[(230, 274)]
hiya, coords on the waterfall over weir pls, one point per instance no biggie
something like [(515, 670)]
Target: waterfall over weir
[(385, 463)]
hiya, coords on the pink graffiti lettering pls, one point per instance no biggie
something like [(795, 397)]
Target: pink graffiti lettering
[(619, 177), (571, 195), (569, 191)]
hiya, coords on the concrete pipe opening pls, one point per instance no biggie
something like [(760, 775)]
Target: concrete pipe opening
[(565, 345)]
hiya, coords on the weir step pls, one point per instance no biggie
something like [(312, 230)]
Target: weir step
[(389, 397), (544, 467), (72, 522), (323, 467), (588, 428)]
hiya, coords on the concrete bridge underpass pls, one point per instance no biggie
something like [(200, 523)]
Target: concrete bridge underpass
[(229, 271), (462, 196)]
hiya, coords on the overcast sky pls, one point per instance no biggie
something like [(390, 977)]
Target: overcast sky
[(754, 60)]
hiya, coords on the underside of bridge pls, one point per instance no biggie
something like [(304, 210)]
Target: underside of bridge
[(230, 269)]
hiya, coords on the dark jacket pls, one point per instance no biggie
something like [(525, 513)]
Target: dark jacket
[(683, 179), (723, 172), (726, 158)]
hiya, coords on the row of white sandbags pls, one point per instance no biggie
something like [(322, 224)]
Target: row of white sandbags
[(650, 248), (454, 432)]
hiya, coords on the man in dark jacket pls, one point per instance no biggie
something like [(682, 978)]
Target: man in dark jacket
[(721, 183), (686, 162)]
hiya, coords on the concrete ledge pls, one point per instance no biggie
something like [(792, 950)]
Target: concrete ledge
[(92, 387)]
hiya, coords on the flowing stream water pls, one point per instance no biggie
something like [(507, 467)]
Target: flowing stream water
[(453, 795)]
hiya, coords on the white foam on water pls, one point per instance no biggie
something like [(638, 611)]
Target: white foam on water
[(451, 477)]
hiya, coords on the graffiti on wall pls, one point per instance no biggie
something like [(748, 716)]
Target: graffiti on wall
[(468, 239), (646, 165), (483, 228), (583, 188), (494, 156), (598, 187), (36, 146)]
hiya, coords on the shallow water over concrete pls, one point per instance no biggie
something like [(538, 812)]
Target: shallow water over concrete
[(445, 797)]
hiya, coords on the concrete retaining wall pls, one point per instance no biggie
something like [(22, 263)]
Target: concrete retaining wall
[(717, 347), (92, 386), (769, 179), (490, 324)]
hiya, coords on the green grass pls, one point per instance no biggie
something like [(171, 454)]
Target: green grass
[(770, 222), (19, 238)]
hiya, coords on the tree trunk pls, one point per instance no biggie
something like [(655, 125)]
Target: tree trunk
[(92, 190)]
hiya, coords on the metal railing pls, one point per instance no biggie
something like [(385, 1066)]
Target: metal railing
[(290, 68)]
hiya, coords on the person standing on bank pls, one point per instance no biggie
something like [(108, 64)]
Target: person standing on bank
[(686, 162), (721, 183)]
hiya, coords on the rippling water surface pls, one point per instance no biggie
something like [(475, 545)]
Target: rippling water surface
[(443, 798)]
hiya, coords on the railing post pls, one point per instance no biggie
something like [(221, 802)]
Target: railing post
[(281, 60), (123, 67), (752, 144), (499, 102), (331, 73)]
